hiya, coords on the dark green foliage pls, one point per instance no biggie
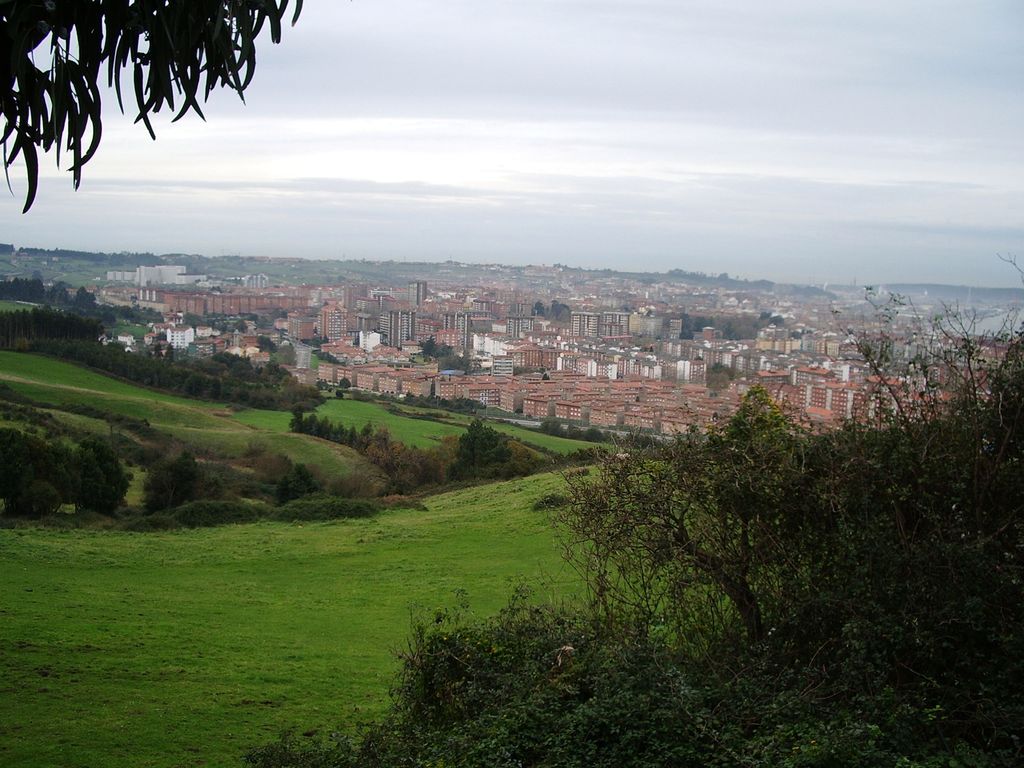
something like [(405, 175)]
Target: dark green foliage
[(317, 507), (559, 312), (454, 362), (54, 56), (295, 483), (553, 426), (407, 468), (171, 482), (24, 289), (432, 350), (323, 507), (19, 329), (16, 469), (38, 476), (481, 450), (550, 501), (458, 405), (290, 752), (732, 327), (82, 302), (204, 514), (102, 481)]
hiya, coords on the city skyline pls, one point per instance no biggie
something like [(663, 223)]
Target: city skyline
[(813, 143)]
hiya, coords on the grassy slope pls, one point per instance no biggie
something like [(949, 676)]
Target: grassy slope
[(185, 648), (201, 425), (422, 433)]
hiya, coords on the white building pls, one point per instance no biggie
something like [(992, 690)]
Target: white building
[(163, 274), (180, 336), (369, 340)]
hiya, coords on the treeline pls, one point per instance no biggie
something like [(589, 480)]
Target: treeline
[(731, 327), (63, 253), (38, 476), (222, 377), (21, 328), (553, 426), (81, 301), (480, 452), (59, 294), (33, 290)]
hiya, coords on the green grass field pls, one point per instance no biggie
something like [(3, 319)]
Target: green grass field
[(131, 329), (206, 426), (13, 306), (419, 432), (185, 648), (200, 425)]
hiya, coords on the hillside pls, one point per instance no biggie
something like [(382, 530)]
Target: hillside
[(177, 649), (204, 427), (419, 427)]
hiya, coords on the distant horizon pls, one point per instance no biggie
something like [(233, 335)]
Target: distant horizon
[(1017, 284)]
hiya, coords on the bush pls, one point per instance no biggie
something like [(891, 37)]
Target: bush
[(550, 501), (323, 507), (205, 514)]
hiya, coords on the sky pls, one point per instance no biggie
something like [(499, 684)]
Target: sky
[(812, 141)]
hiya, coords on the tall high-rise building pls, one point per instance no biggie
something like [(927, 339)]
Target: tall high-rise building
[(584, 324), (417, 292), (459, 321), (333, 321), (614, 324), (398, 326), (518, 326)]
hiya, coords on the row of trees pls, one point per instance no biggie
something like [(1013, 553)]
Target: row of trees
[(37, 476), (21, 328)]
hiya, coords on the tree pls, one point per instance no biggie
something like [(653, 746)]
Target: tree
[(102, 481), (84, 300), (52, 57), (15, 468), (719, 376), (481, 449), (297, 482), (172, 482), (655, 534), (35, 477)]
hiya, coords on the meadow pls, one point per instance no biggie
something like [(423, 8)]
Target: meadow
[(186, 648), (7, 305), (408, 424), (201, 426), (214, 427)]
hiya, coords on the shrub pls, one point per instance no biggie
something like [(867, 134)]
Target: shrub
[(323, 507), (205, 514), (550, 501)]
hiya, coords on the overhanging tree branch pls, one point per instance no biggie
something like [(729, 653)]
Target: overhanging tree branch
[(53, 52)]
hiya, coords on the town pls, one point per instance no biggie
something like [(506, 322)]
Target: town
[(662, 354)]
